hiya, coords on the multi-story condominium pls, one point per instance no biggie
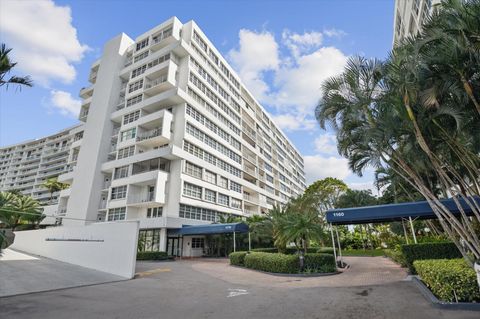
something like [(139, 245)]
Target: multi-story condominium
[(26, 166), (410, 16), (172, 137)]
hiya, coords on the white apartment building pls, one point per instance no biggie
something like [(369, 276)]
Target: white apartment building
[(26, 166), (171, 137), (410, 16)]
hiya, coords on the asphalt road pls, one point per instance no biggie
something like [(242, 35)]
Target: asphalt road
[(176, 290)]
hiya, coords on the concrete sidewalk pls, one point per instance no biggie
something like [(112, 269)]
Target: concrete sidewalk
[(21, 273)]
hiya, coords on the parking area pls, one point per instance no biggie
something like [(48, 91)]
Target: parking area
[(204, 288), (21, 273)]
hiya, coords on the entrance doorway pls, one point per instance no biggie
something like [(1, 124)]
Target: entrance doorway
[(173, 246)]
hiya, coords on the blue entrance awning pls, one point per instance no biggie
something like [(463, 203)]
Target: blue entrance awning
[(211, 229), (392, 212)]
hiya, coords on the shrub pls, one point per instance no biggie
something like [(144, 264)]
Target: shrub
[(272, 262), (449, 279), (320, 263), (152, 255), (238, 258), (325, 250), (396, 256), (437, 250), (265, 250)]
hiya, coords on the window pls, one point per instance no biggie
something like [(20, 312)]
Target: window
[(269, 178), (121, 172), (210, 177), (198, 242), (268, 167), (116, 213), (235, 187), (193, 170), (135, 86), (128, 134), (131, 117), (236, 203), (142, 44), (149, 240), (139, 71), (223, 182), (223, 199), (140, 56), (192, 190), (154, 212), (119, 192), (125, 152), (210, 196), (134, 100)]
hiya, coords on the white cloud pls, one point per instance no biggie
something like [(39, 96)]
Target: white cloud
[(257, 53), (43, 39), (334, 33), (296, 76), (318, 167), (290, 122), (65, 103), (326, 144)]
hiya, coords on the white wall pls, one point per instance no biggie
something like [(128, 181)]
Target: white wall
[(109, 247)]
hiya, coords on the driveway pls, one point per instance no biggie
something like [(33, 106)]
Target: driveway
[(203, 289), (21, 273)]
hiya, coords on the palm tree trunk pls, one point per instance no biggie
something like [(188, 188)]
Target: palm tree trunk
[(469, 90)]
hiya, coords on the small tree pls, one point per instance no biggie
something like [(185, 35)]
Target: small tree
[(53, 185)]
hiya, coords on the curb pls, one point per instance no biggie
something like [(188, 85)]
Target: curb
[(290, 275), (443, 304)]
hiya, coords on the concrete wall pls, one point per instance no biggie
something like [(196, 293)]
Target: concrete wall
[(108, 247)]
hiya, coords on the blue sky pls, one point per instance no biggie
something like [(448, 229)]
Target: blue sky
[(281, 49)]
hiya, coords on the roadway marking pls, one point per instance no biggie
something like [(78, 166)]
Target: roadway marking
[(151, 272), (233, 292)]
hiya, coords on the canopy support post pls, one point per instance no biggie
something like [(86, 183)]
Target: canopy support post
[(413, 230), (333, 245), (339, 247), (234, 243), (249, 242), (404, 231)]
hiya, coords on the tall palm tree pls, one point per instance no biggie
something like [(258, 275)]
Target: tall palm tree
[(53, 185), (410, 116), (6, 66)]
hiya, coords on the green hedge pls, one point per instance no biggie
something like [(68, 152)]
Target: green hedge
[(152, 255), (320, 263), (325, 250), (288, 264), (396, 256), (448, 278), (272, 262), (238, 258), (288, 251), (437, 250)]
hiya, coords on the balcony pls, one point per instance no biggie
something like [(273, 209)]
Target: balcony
[(153, 138), (158, 85), (86, 92), (162, 39)]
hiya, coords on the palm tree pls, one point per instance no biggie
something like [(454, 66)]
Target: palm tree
[(6, 66), (53, 185), (16, 209), (412, 117)]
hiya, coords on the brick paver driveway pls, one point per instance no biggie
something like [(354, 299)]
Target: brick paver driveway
[(363, 271)]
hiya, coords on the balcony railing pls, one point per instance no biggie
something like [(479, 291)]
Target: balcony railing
[(142, 198), (156, 82), (149, 134)]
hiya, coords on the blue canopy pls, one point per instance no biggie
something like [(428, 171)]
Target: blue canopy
[(212, 229), (392, 212)]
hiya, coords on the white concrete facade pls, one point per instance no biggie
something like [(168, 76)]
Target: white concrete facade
[(171, 136), (25, 166), (410, 16)]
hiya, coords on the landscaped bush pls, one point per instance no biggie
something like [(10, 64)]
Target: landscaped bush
[(238, 258), (288, 251), (272, 262), (449, 279), (396, 256), (265, 250), (438, 250), (152, 255), (325, 250), (319, 263)]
